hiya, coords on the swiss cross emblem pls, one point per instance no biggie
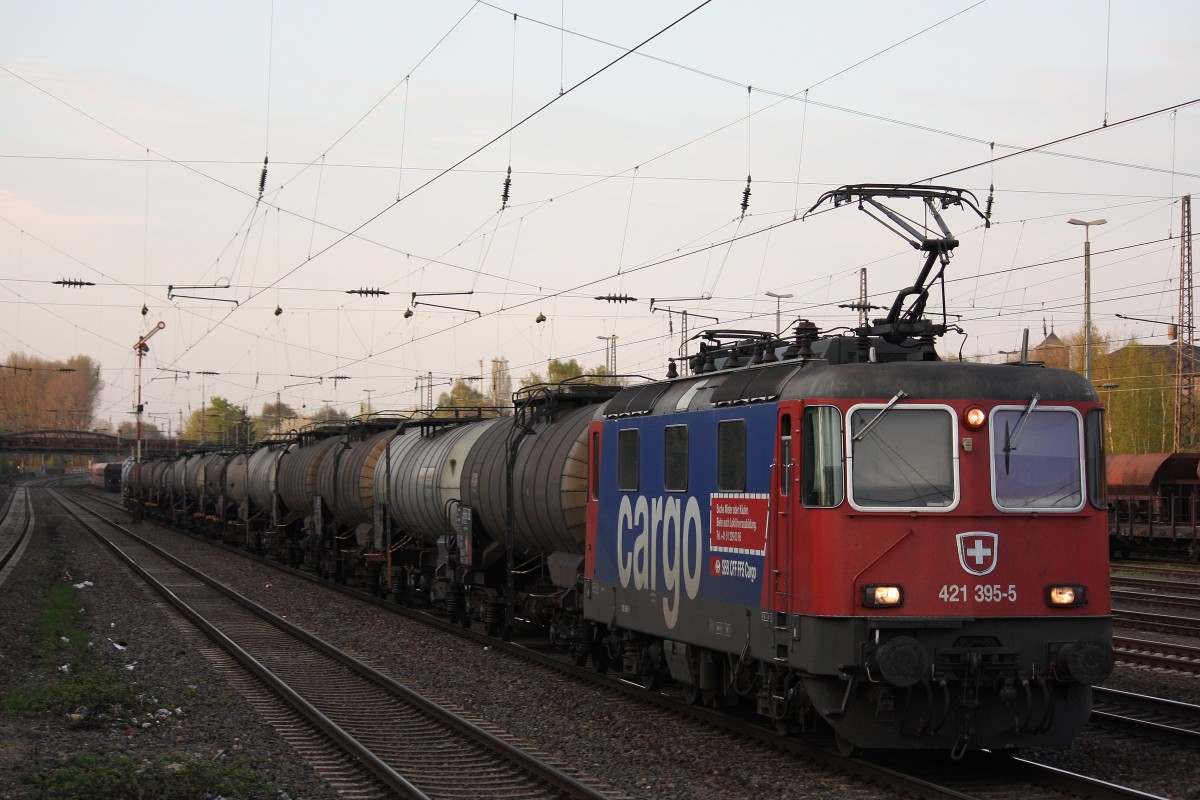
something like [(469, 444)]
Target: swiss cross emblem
[(977, 551)]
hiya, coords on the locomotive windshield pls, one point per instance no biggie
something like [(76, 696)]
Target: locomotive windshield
[(1043, 468), (906, 459)]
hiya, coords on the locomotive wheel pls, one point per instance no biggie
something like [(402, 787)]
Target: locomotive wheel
[(844, 746)]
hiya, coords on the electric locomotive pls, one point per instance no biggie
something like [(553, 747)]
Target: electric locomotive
[(852, 532)]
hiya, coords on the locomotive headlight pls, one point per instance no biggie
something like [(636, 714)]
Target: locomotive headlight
[(882, 596), (1066, 596), (975, 418)]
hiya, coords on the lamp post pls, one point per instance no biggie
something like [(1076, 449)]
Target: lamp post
[(778, 299), (1087, 291)]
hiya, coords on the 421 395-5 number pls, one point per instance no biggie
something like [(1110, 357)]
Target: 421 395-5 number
[(980, 593)]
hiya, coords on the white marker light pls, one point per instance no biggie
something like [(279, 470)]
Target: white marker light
[(882, 596)]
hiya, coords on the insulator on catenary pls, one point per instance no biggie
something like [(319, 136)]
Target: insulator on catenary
[(746, 196), (262, 181), (617, 298), (987, 212), (507, 186)]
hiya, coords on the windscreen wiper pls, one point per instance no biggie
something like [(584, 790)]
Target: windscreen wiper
[(900, 395), (1010, 442)]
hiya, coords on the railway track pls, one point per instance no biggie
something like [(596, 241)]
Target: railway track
[(915, 774), (1153, 717), (1157, 599), (399, 743), (1162, 623), (1184, 658), (1190, 588), (16, 524)]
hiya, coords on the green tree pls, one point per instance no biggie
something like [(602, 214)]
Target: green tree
[(328, 413), (461, 395), (274, 417), (1076, 344), (220, 422), (558, 370), (127, 430), (1137, 387)]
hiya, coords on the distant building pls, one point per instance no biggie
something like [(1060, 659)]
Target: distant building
[(1053, 352)]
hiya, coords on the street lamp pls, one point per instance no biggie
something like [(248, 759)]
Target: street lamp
[(778, 299), (1087, 291)]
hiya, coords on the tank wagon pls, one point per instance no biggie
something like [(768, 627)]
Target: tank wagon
[(837, 531)]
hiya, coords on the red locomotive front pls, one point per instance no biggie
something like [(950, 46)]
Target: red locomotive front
[(954, 536)]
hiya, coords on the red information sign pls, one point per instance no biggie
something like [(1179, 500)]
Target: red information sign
[(738, 524)]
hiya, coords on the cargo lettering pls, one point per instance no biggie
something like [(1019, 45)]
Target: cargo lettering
[(661, 534)]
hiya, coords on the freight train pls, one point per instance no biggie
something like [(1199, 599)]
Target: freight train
[(838, 531), (1154, 505), (106, 475)]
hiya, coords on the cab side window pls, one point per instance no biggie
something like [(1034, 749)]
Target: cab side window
[(628, 459), (822, 478), (731, 455)]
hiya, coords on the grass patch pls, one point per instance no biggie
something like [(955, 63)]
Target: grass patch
[(94, 777), (70, 674), (104, 693)]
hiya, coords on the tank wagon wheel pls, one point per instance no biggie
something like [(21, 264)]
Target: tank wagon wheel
[(499, 629), (693, 694), (579, 657), (652, 682)]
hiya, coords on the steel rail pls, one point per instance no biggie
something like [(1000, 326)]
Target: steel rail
[(546, 773)]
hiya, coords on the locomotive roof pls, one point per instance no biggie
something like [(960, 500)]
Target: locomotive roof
[(798, 380)]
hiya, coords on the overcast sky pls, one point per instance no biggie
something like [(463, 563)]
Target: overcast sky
[(133, 139)]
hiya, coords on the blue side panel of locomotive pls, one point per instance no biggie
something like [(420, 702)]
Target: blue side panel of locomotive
[(705, 543)]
